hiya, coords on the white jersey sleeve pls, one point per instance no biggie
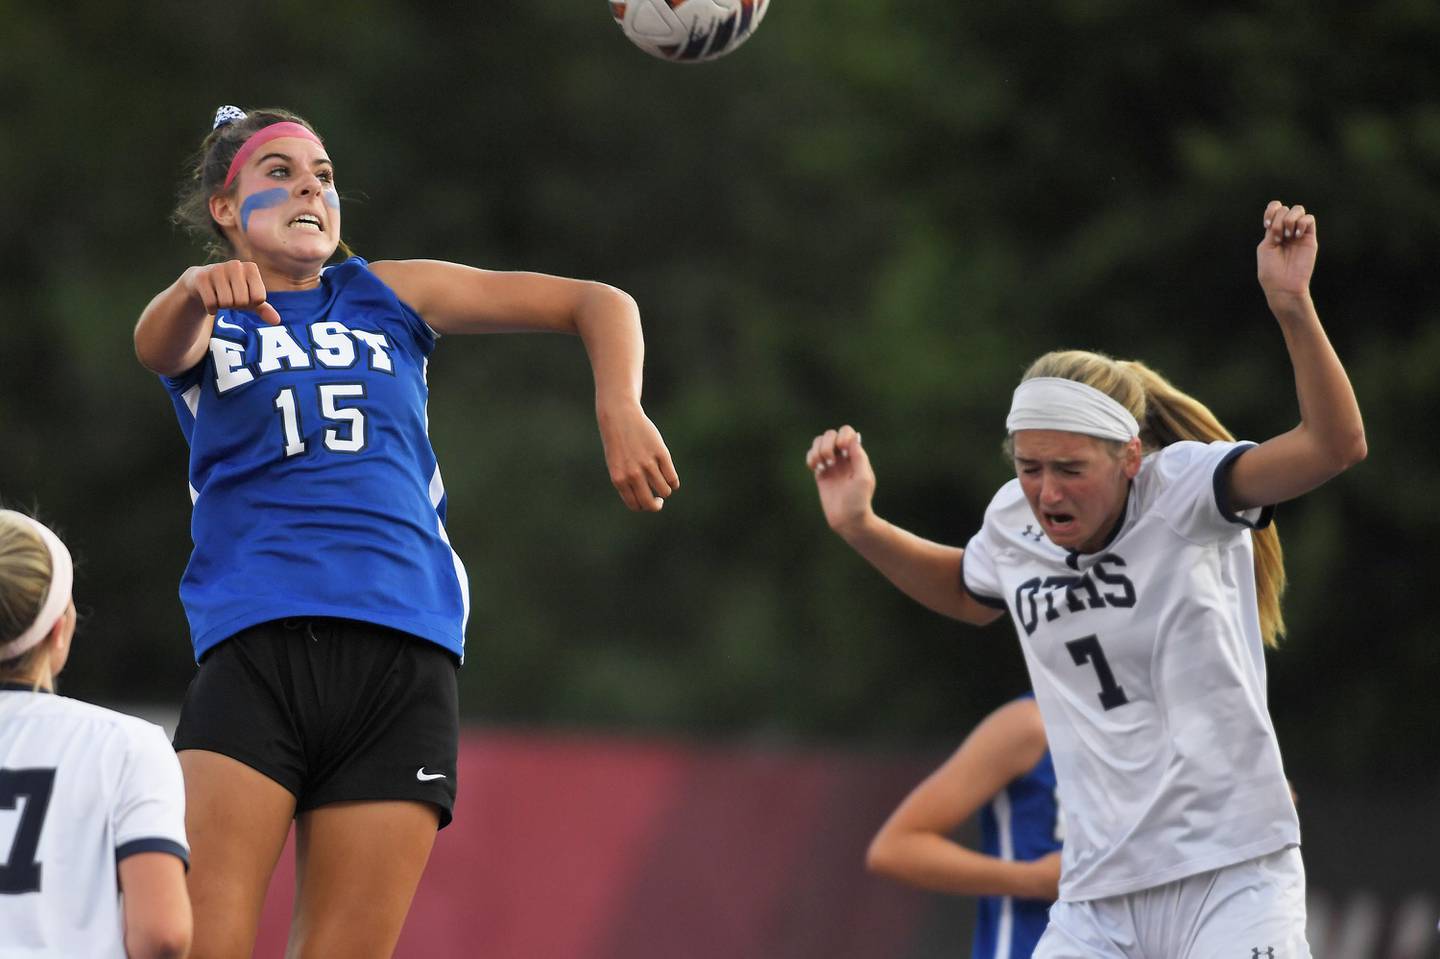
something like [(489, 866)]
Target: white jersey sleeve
[(149, 811), (979, 573), (1190, 480)]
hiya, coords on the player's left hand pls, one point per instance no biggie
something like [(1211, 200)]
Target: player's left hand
[(1285, 258), (640, 465)]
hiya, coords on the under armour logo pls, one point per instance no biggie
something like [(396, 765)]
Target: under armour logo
[(1031, 532), (1267, 953)]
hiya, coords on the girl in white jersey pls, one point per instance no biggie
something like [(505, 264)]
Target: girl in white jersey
[(1127, 555), (92, 809)]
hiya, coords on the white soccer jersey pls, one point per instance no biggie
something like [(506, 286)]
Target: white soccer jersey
[(81, 788), (1148, 666)]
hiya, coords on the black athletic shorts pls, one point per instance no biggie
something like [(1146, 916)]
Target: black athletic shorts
[(333, 710)]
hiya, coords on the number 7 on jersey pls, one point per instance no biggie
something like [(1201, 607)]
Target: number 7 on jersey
[(1087, 649)]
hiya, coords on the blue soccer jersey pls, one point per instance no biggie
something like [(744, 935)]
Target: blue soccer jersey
[(1021, 823), (316, 491)]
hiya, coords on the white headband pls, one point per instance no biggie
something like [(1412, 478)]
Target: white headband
[(62, 577), (1054, 403)]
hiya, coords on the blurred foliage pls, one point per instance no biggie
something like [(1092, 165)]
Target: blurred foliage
[(873, 213)]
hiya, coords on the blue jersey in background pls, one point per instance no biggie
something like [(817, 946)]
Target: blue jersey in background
[(1020, 823)]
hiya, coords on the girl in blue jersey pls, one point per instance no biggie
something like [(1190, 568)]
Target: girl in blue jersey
[(1134, 555), (327, 608), (1003, 771)]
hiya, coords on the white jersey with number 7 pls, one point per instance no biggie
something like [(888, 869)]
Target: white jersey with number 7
[(81, 788), (1148, 666)]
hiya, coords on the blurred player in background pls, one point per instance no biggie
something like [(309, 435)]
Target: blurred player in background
[(327, 608), (1003, 770), (1125, 554), (92, 809)]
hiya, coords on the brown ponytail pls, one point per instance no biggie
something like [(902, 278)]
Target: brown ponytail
[(1167, 415)]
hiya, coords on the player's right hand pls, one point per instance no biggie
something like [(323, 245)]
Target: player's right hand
[(232, 285), (843, 477)]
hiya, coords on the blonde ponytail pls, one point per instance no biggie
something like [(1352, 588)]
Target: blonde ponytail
[(1167, 415)]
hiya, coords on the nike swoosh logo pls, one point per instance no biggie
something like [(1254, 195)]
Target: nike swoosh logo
[(425, 777), (228, 325)]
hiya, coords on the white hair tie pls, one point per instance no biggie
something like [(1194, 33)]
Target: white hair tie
[(227, 115), (1056, 403), (57, 599)]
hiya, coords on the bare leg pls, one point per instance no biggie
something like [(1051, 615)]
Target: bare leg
[(237, 820), (357, 866)]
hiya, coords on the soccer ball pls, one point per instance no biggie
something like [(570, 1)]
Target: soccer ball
[(688, 30)]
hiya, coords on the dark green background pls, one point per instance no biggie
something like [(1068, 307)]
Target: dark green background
[(873, 213)]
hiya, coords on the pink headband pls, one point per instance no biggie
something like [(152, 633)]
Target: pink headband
[(62, 574), (263, 136)]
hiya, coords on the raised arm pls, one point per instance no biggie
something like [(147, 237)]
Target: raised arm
[(174, 329), (1330, 437), (914, 845), (927, 572), (460, 299)]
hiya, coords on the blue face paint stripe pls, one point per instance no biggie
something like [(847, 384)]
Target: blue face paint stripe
[(260, 201), (332, 199)]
